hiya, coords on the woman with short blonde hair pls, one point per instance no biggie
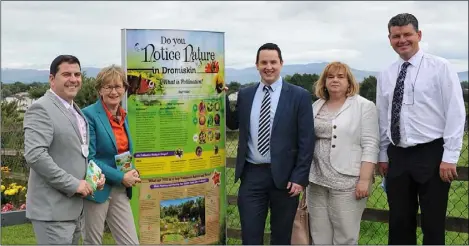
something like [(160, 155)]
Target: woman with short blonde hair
[(346, 151), (320, 86), (110, 140)]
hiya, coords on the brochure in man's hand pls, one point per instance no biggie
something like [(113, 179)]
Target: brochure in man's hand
[(93, 174), (124, 162)]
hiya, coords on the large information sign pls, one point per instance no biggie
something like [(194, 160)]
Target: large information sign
[(176, 113)]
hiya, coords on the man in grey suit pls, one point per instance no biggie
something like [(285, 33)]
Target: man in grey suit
[(275, 149), (56, 149)]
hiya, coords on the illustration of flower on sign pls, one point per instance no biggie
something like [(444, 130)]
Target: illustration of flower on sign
[(216, 178), (219, 83), (212, 67)]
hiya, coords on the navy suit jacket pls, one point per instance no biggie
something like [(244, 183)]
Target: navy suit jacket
[(292, 139)]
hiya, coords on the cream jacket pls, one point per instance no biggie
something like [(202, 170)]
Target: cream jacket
[(355, 135)]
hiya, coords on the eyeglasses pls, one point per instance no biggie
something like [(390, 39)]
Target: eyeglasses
[(108, 89)]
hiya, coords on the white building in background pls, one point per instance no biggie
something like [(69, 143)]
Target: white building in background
[(23, 100)]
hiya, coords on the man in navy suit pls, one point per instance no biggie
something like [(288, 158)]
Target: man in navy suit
[(275, 149)]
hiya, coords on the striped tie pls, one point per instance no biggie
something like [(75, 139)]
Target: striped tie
[(264, 123)]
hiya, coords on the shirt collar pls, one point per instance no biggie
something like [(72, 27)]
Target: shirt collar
[(414, 60), (120, 111), (65, 103), (277, 84)]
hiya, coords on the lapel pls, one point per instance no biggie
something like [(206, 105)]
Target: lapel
[(346, 105), (250, 93), (65, 111), (102, 116), (282, 102), (320, 102), (127, 131), (317, 106)]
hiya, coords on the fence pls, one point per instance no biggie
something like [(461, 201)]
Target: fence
[(374, 226)]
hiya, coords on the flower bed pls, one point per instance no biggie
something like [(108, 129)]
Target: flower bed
[(13, 194)]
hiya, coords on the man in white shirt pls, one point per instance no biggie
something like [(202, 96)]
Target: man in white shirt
[(421, 118)]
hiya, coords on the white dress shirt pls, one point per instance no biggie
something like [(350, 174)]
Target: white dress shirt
[(253, 155), (81, 121), (432, 106)]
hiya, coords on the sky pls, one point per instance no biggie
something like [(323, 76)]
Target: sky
[(34, 33)]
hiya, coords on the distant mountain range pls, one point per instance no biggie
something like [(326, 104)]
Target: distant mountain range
[(251, 74), (242, 76)]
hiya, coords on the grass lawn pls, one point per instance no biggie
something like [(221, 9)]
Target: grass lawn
[(24, 234), (173, 238), (376, 233)]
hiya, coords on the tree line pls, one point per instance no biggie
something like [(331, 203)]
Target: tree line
[(88, 94), (306, 81), (12, 119)]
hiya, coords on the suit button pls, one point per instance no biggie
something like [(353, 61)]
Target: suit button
[(333, 146), (335, 136), (335, 126)]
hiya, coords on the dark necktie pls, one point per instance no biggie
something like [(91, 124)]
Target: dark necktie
[(397, 104), (263, 136)]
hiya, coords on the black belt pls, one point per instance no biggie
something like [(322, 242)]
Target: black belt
[(438, 141), (258, 164)]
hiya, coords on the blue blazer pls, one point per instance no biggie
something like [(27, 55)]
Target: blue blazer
[(103, 148), (292, 138)]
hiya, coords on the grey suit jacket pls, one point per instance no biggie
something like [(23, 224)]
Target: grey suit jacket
[(52, 145)]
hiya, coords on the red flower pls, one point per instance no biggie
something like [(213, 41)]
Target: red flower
[(212, 67), (23, 206), (7, 207), (208, 68), (216, 178)]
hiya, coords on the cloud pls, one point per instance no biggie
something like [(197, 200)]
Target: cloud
[(33, 33)]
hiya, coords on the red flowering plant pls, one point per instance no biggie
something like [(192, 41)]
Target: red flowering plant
[(212, 67), (13, 195), (216, 178)]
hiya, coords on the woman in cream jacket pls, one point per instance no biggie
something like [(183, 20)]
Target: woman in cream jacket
[(345, 154)]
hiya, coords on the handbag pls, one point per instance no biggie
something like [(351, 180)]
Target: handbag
[(300, 233)]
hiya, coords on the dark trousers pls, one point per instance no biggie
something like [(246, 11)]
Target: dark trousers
[(413, 179), (257, 193)]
